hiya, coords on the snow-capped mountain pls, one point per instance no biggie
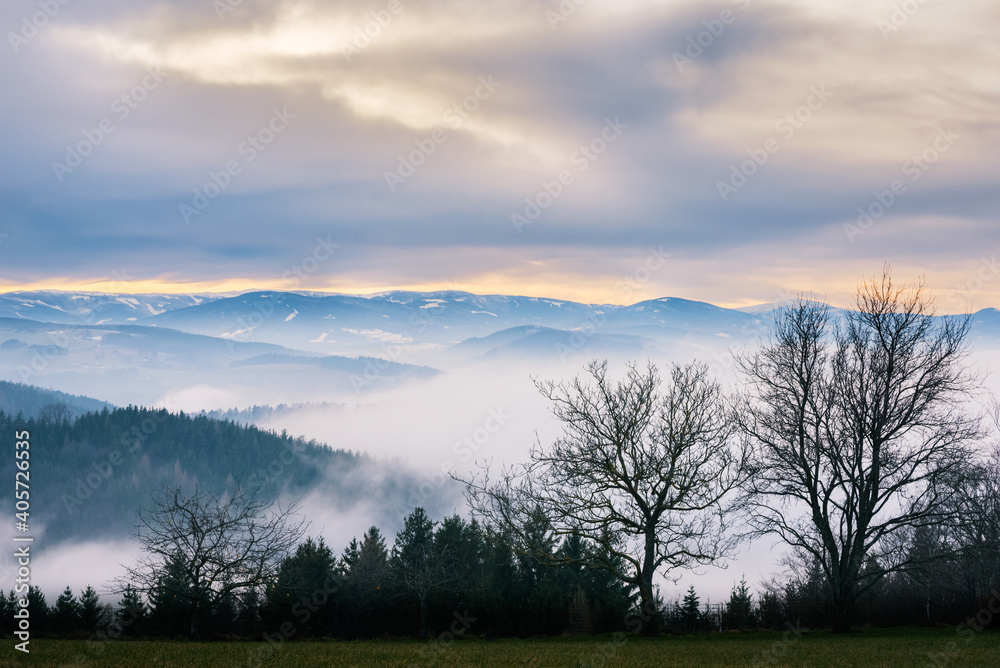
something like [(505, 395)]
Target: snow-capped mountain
[(419, 326), (375, 324), (93, 308), (435, 320), (390, 354)]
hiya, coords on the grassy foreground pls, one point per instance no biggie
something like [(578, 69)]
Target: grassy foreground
[(869, 649)]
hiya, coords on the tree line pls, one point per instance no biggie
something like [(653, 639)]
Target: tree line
[(437, 576)]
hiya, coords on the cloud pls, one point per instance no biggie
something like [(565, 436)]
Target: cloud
[(702, 88), (76, 565)]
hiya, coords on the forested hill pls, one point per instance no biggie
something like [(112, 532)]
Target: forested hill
[(90, 475), (30, 400)]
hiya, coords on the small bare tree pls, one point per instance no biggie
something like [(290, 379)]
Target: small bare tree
[(204, 549), (642, 473), (858, 432), (55, 413)]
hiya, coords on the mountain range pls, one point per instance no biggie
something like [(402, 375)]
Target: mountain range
[(148, 346), (347, 323)]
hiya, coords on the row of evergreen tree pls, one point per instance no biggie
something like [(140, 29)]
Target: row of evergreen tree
[(455, 577)]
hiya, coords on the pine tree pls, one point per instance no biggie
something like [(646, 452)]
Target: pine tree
[(90, 610), (367, 581), (169, 613), (416, 562), (66, 613), (690, 610), (8, 606), (310, 580), (770, 610), (740, 610), (131, 613), (40, 615)]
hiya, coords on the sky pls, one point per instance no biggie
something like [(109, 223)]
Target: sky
[(604, 151)]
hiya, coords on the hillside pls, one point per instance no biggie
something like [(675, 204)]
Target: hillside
[(31, 400), (89, 476)]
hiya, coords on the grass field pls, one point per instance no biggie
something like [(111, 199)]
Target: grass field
[(870, 649)]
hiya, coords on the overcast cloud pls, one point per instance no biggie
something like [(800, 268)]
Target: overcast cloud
[(740, 137)]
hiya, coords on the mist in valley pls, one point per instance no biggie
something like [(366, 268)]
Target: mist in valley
[(425, 408)]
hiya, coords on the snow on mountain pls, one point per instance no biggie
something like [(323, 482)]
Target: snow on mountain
[(92, 308), (372, 324), (435, 321), (140, 364), (413, 326)]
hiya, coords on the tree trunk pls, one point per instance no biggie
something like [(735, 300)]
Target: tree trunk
[(423, 616), (841, 620), (647, 611), (841, 613)]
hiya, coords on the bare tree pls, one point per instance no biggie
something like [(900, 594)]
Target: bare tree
[(644, 474), (858, 432), (204, 550), (976, 535), (55, 413)]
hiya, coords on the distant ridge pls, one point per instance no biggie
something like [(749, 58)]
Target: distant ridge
[(17, 397)]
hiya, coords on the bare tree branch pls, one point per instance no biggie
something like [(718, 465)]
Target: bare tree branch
[(859, 431), (644, 474), (203, 549)]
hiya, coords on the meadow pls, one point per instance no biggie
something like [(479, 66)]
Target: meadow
[(884, 648)]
